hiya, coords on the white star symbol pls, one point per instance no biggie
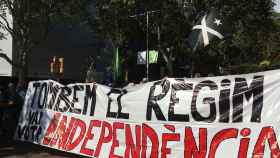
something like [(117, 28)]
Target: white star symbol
[(218, 22)]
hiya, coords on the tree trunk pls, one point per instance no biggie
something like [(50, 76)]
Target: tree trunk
[(22, 72), (169, 66), (169, 62)]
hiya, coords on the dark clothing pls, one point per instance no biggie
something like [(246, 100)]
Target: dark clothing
[(3, 97), (11, 102)]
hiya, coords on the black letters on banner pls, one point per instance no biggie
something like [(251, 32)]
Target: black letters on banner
[(64, 99), (152, 101), (90, 94), (75, 99), (118, 114), (32, 130), (209, 100), (173, 100), (43, 95), (63, 96), (256, 90), (224, 101), (53, 91), (36, 85)]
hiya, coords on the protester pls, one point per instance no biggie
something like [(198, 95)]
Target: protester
[(108, 77), (11, 93), (11, 102), (2, 94), (2, 107), (21, 90)]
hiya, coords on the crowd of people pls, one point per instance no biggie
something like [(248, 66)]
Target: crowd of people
[(12, 97)]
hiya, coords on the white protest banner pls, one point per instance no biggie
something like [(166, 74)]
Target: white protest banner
[(215, 117)]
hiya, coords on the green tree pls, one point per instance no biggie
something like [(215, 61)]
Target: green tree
[(167, 26), (253, 32)]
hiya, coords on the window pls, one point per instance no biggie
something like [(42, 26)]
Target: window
[(57, 65)]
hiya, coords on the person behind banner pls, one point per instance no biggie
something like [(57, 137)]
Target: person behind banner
[(108, 77), (13, 104), (20, 90), (7, 105), (2, 108)]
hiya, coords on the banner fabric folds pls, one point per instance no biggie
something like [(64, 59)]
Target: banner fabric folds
[(215, 117)]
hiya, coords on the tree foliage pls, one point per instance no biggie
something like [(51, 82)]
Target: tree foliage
[(253, 41), (124, 21), (254, 34)]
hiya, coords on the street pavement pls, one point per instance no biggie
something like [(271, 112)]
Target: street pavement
[(15, 149)]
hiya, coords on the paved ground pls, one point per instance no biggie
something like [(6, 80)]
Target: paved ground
[(12, 149), (17, 149)]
